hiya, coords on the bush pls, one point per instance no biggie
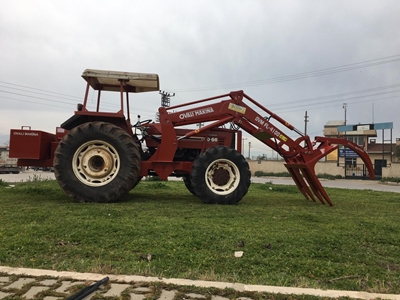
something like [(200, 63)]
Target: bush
[(329, 176), (286, 174), (391, 179), (280, 174)]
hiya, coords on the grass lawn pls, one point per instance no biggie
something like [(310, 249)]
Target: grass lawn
[(288, 241)]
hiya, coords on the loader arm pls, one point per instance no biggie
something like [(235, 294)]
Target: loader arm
[(300, 155)]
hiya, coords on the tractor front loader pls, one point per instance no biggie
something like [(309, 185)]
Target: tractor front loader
[(100, 156)]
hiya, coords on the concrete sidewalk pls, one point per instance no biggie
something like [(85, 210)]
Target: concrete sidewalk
[(23, 283)]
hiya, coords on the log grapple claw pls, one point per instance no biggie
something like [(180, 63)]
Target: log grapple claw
[(302, 165)]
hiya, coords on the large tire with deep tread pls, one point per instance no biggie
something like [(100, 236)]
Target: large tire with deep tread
[(137, 182), (188, 184), (97, 162), (220, 175)]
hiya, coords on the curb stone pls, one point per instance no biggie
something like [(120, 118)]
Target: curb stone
[(134, 286)]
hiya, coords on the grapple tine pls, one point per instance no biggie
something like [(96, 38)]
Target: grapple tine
[(302, 174), (316, 186), (301, 184)]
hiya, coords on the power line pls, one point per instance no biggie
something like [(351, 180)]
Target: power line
[(37, 93), (315, 73), (27, 101), (339, 100), (322, 104), (303, 105), (335, 105), (44, 99), (13, 84), (288, 104), (46, 93), (337, 95), (104, 103)]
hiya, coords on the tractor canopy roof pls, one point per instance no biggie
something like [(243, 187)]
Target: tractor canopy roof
[(111, 81)]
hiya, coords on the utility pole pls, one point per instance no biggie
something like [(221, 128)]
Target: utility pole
[(305, 123), (243, 139), (345, 136), (249, 149), (165, 101), (165, 98)]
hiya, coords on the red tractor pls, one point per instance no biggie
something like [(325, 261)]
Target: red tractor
[(100, 156)]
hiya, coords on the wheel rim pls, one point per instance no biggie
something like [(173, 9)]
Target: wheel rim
[(222, 176), (96, 163)]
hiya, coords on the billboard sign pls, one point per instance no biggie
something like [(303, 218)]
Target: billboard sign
[(347, 153), (376, 126)]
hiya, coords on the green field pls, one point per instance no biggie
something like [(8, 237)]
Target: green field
[(288, 241)]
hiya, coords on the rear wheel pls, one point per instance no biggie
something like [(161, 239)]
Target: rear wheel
[(220, 175), (97, 162)]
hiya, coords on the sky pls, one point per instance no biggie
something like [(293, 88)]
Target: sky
[(290, 56)]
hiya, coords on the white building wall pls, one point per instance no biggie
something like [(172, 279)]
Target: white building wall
[(391, 171), (279, 166)]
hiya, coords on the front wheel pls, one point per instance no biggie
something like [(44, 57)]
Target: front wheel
[(220, 175), (97, 162), (188, 184)]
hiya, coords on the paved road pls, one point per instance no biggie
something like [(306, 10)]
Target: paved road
[(338, 183), (352, 184)]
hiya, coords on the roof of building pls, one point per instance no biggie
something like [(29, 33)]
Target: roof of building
[(377, 148), (334, 123)]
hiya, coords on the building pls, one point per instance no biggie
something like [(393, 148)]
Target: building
[(344, 162), (381, 154)]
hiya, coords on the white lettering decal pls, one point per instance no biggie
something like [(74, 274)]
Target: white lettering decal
[(199, 112), (186, 115), (261, 121), (204, 111), (31, 133), (273, 130), (26, 133)]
